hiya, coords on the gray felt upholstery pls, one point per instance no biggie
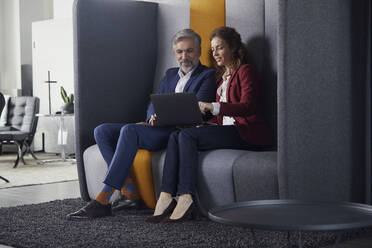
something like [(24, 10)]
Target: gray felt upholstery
[(314, 70), (256, 171), (226, 176), (95, 169), (215, 180), (108, 37), (321, 99)]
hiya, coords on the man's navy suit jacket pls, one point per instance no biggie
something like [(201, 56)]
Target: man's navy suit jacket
[(202, 82)]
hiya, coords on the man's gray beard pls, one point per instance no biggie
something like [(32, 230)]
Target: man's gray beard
[(190, 68), (187, 69)]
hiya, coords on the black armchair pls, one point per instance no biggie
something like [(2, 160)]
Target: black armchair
[(21, 123), (2, 104)]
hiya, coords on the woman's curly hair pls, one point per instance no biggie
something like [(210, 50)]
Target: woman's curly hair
[(234, 41)]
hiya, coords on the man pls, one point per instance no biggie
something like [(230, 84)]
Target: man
[(119, 143)]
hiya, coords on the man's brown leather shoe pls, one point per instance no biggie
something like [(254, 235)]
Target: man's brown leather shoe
[(92, 210)]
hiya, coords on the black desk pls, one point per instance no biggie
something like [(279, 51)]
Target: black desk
[(294, 215)]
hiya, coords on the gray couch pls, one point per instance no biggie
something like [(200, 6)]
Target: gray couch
[(313, 72)]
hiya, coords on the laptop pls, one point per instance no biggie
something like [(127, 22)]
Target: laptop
[(176, 109)]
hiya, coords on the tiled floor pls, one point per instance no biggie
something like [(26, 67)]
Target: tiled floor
[(38, 193), (48, 192)]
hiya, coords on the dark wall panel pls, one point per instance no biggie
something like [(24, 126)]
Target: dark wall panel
[(115, 50), (321, 100)]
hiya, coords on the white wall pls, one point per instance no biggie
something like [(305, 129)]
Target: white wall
[(173, 15), (1, 43), (11, 52), (62, 9), (16, 18), (52, 52), (31, 11), (15, 38)]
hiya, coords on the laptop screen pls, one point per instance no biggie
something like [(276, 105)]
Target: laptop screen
[(176, 109)]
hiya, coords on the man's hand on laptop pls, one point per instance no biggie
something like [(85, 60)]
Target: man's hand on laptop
[(205, 107), (151, 122)]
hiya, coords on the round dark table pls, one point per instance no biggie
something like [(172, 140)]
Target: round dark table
[(294, 215)]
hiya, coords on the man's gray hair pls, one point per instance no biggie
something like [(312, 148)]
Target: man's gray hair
[(187, 33)]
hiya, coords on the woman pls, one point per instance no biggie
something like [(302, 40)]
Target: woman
[(238, 127)]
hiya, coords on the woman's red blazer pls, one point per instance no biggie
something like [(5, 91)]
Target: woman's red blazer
[(242, 95)]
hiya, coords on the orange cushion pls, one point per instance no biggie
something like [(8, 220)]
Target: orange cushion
[(205, 16), (141, 173)]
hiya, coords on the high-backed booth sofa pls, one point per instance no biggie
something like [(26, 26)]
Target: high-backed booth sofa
[(313, 69)]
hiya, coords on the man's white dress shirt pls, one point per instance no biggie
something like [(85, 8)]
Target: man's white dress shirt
[(183, 80)]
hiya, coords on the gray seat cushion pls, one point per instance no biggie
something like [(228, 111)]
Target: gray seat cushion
[(13, 135), (215, 179), (95, 170), (7, 128), (226, 176), (256, 176)]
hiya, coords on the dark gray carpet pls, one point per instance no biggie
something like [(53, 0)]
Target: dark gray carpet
[(44, 225)]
